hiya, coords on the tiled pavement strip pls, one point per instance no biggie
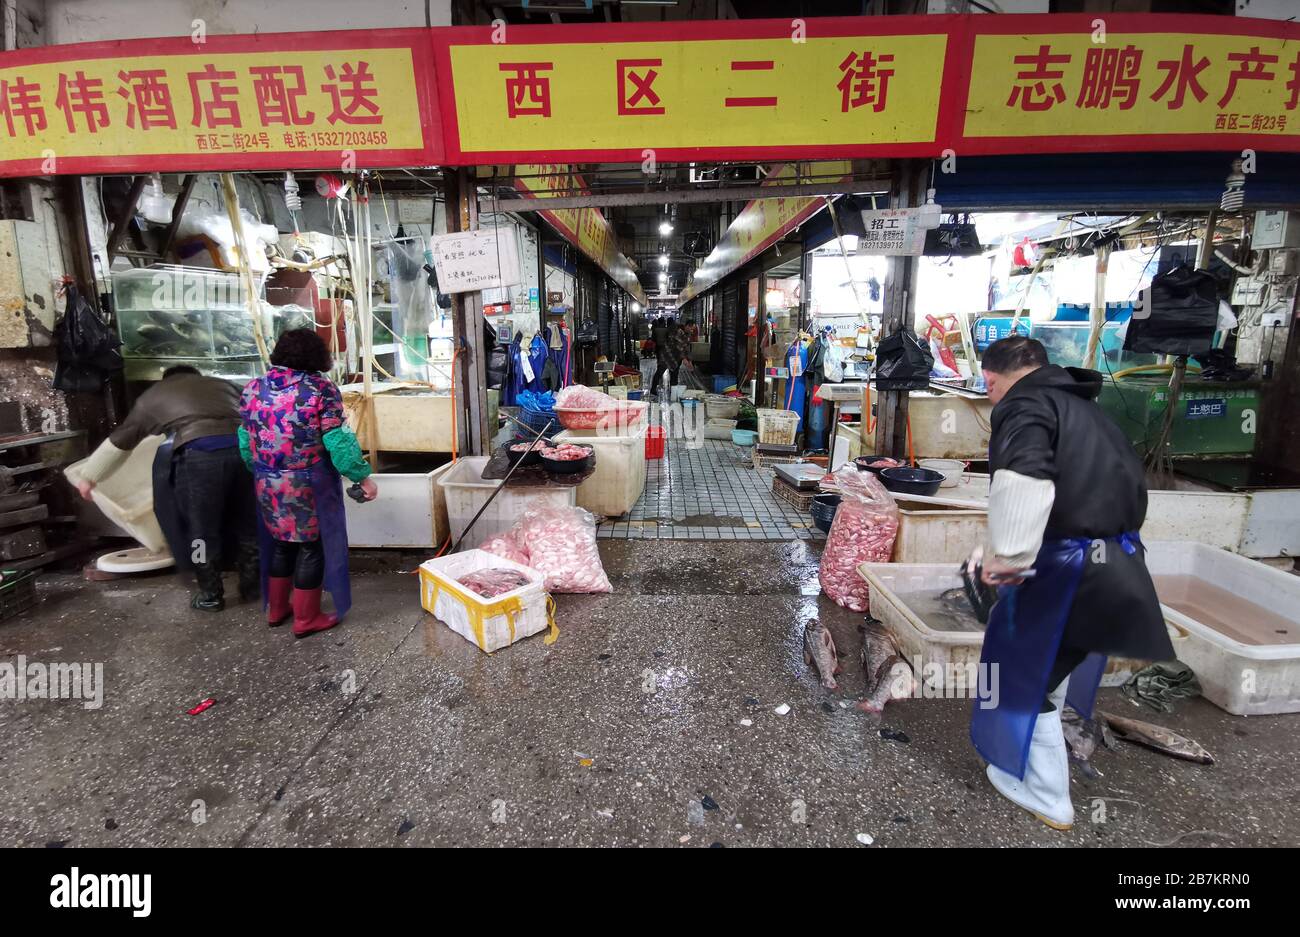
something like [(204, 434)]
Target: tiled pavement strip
[(704, 489)]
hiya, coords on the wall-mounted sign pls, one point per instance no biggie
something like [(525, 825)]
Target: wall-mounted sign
[(476, 260), (893, 231)]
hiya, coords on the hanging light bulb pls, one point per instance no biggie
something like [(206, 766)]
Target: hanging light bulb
[(665, 227), (663, 260), (1234, 195)]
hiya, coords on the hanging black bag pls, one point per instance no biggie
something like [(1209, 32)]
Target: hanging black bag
[(87, 347), (903, 362), (1176, 315)]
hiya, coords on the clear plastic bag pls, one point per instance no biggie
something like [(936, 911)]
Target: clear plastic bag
[(558, 542), (864, 529)]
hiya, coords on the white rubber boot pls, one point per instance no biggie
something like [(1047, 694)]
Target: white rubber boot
[(1045, 789)]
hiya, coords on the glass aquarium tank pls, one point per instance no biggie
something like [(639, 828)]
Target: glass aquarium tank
[(185, 315), (1066, 344)]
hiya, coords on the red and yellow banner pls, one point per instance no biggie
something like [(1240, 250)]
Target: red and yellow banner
[(326, 100), (1131, 83), (587, 229), (763, 222), (777, 90)]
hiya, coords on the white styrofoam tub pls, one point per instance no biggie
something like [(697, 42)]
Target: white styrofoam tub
[(490, 624), (616, 484), (930, 534), (466, 491), (1243, 679)]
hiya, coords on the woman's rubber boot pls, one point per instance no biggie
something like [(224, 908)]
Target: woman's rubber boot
[(307, 616), (278, 607), (1045, 789)]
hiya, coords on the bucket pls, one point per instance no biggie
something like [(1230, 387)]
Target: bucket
[(654, 442), (951, 469)]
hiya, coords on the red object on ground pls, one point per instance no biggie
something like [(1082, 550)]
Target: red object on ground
[(654, 442), (199, 708)]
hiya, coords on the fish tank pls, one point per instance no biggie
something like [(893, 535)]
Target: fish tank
[(170, 315), (1066, 344)]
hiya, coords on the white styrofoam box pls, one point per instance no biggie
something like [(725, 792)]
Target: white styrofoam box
[(1211, 517), (894, 585), (466, 491), (719, 429), (126, 496), (411, 511), (721, 407), (1272, 524), (490, 624), (929, 535), (1243, 679), (616, 484)]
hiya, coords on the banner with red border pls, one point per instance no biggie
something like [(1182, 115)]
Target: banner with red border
[(327, 100)]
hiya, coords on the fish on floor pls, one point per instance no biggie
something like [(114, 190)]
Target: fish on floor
[(819, 652), (1082, 737), (1157, 738), (883, 665)]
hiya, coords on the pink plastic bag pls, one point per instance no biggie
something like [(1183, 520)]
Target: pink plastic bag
[(578, 397), (561, 545), (863, 532), (506, 547)]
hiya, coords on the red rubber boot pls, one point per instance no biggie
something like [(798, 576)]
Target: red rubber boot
[(307, 616), (277, 599)]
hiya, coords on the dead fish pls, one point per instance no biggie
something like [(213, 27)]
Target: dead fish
[(191, 333), (1157, 738), (819, 652), (151, 332), (1082, 736), (884, 666), (159, 316)]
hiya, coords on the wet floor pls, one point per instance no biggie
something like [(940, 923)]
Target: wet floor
[(652, 721)]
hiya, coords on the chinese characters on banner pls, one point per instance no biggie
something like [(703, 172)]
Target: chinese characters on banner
[(1140, 84), (853, 90), (585, 228), (210, 108), (893, 231)]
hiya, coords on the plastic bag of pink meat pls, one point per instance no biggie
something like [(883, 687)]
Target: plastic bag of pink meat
[(863, 532), (578, 397), (558, 542)]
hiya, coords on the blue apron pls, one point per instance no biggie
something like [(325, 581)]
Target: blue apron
[(1020, 646), (327, 490)]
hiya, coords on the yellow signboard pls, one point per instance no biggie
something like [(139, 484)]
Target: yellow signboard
[(1174, 85), (586, 228), (604, 99), (213, 105)]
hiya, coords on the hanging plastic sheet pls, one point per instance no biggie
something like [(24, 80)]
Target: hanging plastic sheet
[(413, 313)]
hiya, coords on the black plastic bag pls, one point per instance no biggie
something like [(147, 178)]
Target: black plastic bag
[(87, 347), (903, 362), (1176, 315)]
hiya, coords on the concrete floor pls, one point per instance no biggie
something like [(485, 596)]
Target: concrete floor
[(628, 731)]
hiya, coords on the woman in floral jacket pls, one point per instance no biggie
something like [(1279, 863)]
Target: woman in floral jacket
[(295, 441)]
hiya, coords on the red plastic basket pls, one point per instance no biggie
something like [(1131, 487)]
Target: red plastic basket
[(654, 442)]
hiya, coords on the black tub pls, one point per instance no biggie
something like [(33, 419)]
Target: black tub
[(912, 481), (823, 510)]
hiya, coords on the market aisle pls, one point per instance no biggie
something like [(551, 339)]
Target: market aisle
[(393, 730), (701, 490)]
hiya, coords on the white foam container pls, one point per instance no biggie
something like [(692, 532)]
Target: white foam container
[(126, 496), (616, 484), (457, 606), (721, 407), (466, 491), (1243, 679), (892, 583), (719, 429)]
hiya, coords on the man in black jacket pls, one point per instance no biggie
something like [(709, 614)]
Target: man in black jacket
[(1067, 499)]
